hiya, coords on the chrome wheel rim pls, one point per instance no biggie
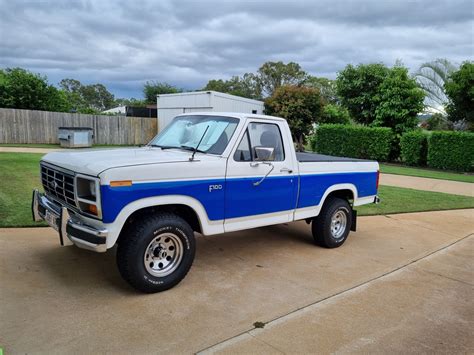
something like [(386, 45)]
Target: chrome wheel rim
[(163, 254), (338, 224)]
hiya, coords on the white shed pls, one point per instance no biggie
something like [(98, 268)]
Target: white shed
[(171, 105)]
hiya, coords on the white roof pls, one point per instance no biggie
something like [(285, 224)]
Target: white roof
[(215, 93), (232, 114), (118, 109)]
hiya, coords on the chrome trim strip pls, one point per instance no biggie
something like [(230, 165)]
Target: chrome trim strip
[(65, 218), (34, 206), (99, 248), (103, 233)]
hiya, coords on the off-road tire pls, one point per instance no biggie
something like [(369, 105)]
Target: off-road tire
[(321, 225), (134, 244)]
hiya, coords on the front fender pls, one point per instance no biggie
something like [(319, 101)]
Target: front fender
[(208, 227)]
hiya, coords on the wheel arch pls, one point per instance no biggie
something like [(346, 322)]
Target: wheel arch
[(186, 207), (347, 191)]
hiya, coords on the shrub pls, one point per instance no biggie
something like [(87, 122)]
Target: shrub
[(413, 148), (451, 150), (334, 114), (354, 141), (299, 105), (437, 122)]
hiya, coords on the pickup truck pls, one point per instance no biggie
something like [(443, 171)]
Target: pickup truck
[(208, 173)]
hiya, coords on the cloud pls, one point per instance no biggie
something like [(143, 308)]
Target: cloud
[(125, 43)]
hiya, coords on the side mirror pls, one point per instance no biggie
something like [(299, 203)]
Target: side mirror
[(264, 154)]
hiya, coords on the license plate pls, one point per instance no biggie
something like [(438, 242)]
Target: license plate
[(51, 220)]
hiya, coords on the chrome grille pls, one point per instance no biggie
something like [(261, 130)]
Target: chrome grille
[(58, 184)]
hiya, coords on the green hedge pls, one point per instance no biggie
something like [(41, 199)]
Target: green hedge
[(353, 141), (414, 148), (451, 150)]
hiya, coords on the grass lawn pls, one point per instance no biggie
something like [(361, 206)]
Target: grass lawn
[(427, 173), (19, 174), (57, 146), (52, 146), (400, 200)]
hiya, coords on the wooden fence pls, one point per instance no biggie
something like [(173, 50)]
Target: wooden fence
[(27, 126)]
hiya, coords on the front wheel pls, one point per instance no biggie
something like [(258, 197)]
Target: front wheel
[(156, 253), (332, 226)]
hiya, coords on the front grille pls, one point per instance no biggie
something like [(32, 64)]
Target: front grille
[(58, 184)]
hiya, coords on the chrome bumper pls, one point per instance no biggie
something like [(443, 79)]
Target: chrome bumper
[(70, 228)]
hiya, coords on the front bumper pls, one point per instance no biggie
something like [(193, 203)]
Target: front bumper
[(71, 229)]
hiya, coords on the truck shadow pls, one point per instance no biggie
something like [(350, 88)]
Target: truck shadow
[(82, 270)]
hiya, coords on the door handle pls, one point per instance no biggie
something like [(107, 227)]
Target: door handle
[(286, 170)]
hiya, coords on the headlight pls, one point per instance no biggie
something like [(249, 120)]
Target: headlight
[(92, 188), (86, 188), (87, 195)]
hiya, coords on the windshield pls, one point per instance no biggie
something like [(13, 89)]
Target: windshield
[(185, 132)]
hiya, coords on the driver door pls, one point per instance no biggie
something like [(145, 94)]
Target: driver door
[(259, 193)]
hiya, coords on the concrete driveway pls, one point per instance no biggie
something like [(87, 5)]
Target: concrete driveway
[(436, 185), (55, 299)]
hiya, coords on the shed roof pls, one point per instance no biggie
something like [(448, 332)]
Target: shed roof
[(215, 93)]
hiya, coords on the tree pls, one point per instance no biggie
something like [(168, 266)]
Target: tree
[(72, 89), (300, 106), (358, 88), (380, 96), (400, 99), (130, 102), (91, 98), (153, 88), (437, 122), (70, 85), (272, 75), (244, 86), (432, 77), (22, 89), (332, 113), (326, 87), (97, 97), (460, 92)]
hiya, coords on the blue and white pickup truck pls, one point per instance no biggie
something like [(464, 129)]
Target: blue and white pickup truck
[(208, 173)]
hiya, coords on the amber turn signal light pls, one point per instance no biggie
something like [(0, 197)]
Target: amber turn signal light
[(121, 183), (93, 209)]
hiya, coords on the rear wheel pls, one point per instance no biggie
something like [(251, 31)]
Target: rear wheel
[(331, 228), (156, 252)]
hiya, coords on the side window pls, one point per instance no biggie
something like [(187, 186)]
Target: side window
[(243, 150), (260, 135)]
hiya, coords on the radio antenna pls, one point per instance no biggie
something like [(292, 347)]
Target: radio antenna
[(191, 158)]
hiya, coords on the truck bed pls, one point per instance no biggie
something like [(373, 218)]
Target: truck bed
[(306, 157)]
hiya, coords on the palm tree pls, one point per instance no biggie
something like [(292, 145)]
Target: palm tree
[(431, 77)]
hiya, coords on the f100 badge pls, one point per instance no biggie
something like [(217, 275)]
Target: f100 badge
[(215, 187)]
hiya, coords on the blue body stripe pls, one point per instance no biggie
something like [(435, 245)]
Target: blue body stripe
[(273, 195), (116, 198), (313, 187), (239, 197)]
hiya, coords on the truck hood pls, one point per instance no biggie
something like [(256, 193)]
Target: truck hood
[(93, 162)]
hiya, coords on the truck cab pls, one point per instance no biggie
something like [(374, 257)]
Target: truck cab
[(209, 173)]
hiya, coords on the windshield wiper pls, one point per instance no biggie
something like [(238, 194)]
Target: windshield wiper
[(188, 147), (185, 147), (163, 146)]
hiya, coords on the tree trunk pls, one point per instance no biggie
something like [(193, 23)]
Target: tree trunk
[(300, 143)]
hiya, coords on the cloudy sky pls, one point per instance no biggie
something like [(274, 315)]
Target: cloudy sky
[(122, 44)]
